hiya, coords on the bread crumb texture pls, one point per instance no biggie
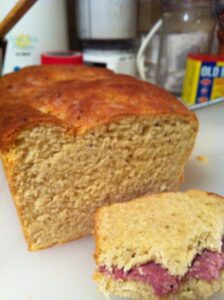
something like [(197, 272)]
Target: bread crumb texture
[(190, 290), (58, 179), (168, 228)]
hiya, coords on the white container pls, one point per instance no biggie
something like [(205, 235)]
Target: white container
[(43, 28), (106, 19), (120, 61)]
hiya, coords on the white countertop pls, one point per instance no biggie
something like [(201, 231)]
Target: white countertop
[(209, 143), (65, 272)]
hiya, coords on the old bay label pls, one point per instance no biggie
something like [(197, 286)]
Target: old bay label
[(204, 79)]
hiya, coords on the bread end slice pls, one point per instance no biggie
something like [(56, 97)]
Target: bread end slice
[(171, 231), (167, 228)]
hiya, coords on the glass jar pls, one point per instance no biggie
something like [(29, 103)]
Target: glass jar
[(219, 13), (187, 27)]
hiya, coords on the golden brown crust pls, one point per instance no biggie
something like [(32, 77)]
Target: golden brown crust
[(22, 82), (14, 117), (85, 104), (81, 97)]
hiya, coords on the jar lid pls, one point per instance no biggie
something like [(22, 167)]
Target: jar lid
[(172, 4), (62, 57)]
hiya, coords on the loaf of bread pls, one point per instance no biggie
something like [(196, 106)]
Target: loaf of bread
[(167, 246), (73, 139)]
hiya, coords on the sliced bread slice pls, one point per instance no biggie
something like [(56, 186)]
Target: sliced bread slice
[(163, 246)]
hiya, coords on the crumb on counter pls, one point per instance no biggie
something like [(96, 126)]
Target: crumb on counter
[(202, 159)]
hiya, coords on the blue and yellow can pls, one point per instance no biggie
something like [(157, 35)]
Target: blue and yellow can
[(204, 79)]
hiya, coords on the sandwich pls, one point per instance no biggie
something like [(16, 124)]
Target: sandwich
[(167, 246)]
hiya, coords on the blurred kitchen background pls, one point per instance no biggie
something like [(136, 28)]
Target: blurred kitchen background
[(176, 44)]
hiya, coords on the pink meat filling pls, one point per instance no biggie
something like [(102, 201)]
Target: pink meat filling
[(206, 266)]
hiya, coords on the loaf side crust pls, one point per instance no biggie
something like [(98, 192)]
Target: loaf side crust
[(16, 117)]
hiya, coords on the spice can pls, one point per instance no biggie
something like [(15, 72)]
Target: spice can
[(204, 79)]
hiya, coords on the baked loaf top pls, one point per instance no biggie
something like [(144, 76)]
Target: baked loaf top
[(78, 98), (28, 78), (169, 229)]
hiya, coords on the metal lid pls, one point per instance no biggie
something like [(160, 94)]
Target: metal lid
[(177, 4)]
